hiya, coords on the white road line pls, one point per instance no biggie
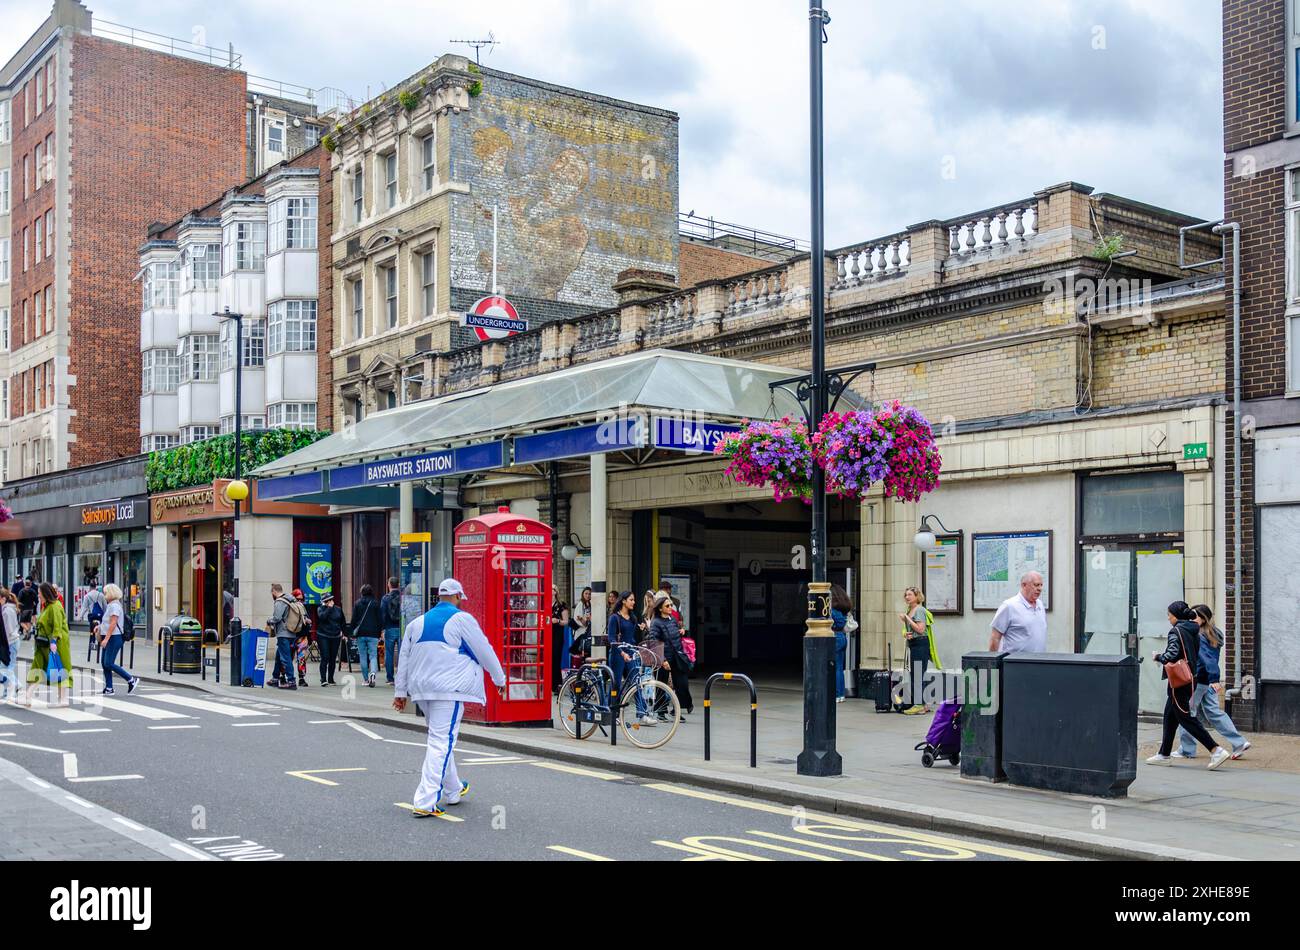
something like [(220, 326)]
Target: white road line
[(105, 778), (363, 730), (69, 765), (460, 762), (38, 783), (422, 745), (191, 852), (78, 801), (6, 721), (27, 745), (130, 824), (171, 727), (65, 713), (141, 709), (323, 722), (206, 706), (64, 732), (8, 733), (238, 724)]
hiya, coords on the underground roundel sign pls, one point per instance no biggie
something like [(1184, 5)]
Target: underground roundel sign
[(494, 318)]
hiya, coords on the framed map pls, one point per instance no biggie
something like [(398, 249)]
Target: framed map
[(999, 560), (941, 575)]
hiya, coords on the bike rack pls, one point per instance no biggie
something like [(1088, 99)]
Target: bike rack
[(203, 654), (753, 713), (166, 645)]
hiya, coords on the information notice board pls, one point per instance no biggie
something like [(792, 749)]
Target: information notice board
[(942, 574), (999, 560)]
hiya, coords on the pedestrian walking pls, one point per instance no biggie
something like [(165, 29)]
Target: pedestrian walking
[(367, 627), (390, 610), (664, 628), (1208, 694), (667, 588), (284, 625), (1020, 625), (110, 631), (446, 655), (840, 607), (559, 643), (93, 605), (1180, 664), (329, 637), (52, 658), (302, 645), (28, 600), (918, 628), (624, 632), (11, 633)]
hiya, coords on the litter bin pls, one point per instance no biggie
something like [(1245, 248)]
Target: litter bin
[(186, 652), (253, 651), (981, 717)]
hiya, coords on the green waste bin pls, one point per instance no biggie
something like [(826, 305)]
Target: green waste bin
[(185, 654)]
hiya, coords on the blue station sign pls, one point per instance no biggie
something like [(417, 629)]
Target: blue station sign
[(613, 435), (689, 435), (406, 468)]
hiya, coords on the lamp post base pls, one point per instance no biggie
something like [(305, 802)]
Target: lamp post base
[(819, 756)]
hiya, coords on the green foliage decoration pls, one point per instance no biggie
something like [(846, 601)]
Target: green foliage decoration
[(200, 463)]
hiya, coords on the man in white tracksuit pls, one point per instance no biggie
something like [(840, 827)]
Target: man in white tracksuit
[(444, 654)]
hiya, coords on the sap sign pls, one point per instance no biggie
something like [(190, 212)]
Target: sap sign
[(686, 435)]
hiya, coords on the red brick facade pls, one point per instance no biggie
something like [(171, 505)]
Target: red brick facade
[(29, 205), (150, 134)]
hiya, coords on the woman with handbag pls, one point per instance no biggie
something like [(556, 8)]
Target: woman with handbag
[(1180, 662), (52, 659), (1209, 691), (663, 627)]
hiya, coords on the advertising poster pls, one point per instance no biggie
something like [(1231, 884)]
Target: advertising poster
[(316, 568), (1000, 561)]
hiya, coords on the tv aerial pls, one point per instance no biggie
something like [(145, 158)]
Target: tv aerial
[(478, 45)]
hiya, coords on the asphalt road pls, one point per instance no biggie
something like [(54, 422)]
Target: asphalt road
[(251, 780)]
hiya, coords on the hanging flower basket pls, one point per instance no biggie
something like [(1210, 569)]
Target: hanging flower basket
[(5, 512), (775, 454), (893, 445)]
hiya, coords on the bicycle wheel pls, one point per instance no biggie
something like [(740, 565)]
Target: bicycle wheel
[(576, 691), (661, 707)]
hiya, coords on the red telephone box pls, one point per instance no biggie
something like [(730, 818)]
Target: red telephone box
[(504, 563)]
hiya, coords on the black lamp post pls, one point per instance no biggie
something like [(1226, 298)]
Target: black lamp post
[(237, 490)]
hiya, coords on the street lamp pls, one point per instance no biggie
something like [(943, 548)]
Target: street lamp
[(237, 490), (819, 756), (925, 540)]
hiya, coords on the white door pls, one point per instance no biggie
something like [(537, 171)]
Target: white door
[(1159, 584)]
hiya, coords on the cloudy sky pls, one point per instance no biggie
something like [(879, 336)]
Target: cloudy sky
[(934, 108)]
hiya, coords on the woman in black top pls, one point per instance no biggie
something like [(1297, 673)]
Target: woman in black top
[(1183, 643), (663, 627), (367, 627), (329, 634), (559, 621)]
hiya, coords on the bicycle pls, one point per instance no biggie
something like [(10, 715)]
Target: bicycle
[(648, 712)]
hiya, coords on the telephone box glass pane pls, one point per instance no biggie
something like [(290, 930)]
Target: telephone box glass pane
[(523, 691), (529, 602), (528, 585), (526, 567)]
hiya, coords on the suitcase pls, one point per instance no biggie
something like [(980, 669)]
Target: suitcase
[(879, 689)]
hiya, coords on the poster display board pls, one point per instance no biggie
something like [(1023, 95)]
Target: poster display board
[(682, 594), (581, 577), (316, 568), (1000, 560), (753, 607), (942, 574)]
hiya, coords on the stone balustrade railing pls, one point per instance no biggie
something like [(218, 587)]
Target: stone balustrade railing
[(872, 260), (522, 351), (464, 366), (756, 291), (672, 315), (598, 331), (1006, 226)]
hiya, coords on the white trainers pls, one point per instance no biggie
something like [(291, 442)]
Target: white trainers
[(1238, 753), (648, 721), (1219, 756), (1180, 754), (1159, 759)]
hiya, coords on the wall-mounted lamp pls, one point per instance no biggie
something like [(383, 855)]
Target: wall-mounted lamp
[(924, 539), (570, 550)]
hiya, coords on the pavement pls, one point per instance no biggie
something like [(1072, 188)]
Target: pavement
[(1180, 812)]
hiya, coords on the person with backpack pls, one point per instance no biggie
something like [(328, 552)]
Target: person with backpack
[(302, 646), (390, 609), (918, 628), (1180, 664), (93, 605), (367, 628), (285, 624), (111, 631)]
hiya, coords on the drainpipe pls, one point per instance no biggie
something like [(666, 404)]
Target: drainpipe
[(1219, 229)]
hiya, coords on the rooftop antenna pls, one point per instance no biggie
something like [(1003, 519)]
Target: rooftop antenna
[(490, 42)]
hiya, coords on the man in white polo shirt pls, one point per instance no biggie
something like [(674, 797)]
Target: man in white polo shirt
[(1020, 625)]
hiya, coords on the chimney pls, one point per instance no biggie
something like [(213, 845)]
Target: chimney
[(633, 284)]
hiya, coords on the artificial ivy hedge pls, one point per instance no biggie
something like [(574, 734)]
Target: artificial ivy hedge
[(199, 463)]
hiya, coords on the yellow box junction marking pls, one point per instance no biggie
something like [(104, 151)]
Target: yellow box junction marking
[(576, 853), (573, 770), (409, 807), (310, 775)]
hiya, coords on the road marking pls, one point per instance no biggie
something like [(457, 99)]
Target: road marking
[(891, 835), (8, 733), (824, 847), (572, 770), (490, 761), (363, 730), (6, 721), (422, 745), (323, 722), (64, 713), (69, 765), (130, 824), (171, 727), (78, 801), (576, 853), (26, 745), (409, 807), (64, 732), (699, 854), (310, 774), (140, 709), (239, 724), (202, 704), (38, 783), (105, 778), (191, 852)]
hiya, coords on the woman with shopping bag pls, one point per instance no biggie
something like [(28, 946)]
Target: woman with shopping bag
[(52, 659)]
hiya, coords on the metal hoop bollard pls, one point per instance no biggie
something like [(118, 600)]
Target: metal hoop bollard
[(753, 714), (203, 654), (167, 647)]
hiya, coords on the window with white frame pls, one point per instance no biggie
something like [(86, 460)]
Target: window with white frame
[(4, 331), (245, 246), (291, 415), (358, 194), (4, 191), (254, 335), (4, 399), (275, 137), (389, 275), (428, 161), (292, 326), (161, 370), (39, 161), (311, 134), (250, 423), (301, 224), (428, 267), (161, 280), (202, 266), (40, 238), (49, 233), (390, 179), (4, 465), (358, 309), (6, 131), (1291, 50), (197, 433), (4, 260), (275, 227), (159, 443), (204, 353)]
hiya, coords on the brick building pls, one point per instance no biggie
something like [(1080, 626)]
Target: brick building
[(1261, 118), (106, 137)]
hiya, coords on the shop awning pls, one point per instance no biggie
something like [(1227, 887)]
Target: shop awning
[(476, 430)]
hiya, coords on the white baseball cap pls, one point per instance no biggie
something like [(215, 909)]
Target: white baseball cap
[(451, 586)]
